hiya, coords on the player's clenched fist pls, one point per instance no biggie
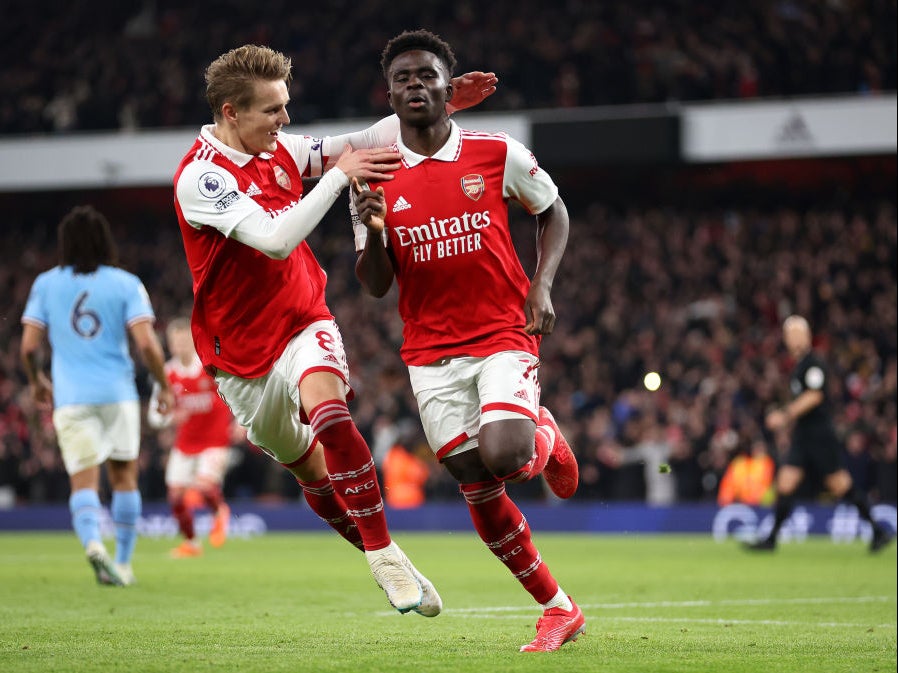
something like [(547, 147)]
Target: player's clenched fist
[(371, 205)]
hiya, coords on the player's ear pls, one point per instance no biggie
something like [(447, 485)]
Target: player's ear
[(390, 100), (229, 112), (450, 91)]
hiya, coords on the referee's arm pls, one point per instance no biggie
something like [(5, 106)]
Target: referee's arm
[(798, 407)]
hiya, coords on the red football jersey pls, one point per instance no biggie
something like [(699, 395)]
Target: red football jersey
[(208, 419), (461, 285), (247, 306)]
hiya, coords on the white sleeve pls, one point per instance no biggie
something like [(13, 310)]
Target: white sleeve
[(209, 196), (313, 156), (525, 181), (360, 231), (381, 134)]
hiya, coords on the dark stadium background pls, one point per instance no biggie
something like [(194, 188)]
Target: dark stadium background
[(679, 267)]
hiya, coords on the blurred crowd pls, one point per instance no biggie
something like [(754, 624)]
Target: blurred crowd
[(113, 65), (697, 296)]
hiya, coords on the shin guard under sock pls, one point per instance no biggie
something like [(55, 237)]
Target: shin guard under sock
[(351, 470), (325, 502), (503, 528)]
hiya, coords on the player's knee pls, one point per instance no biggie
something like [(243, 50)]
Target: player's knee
[(177, 502), (507, 459)]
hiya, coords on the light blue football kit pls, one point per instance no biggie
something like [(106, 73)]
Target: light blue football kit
[(87, 317)]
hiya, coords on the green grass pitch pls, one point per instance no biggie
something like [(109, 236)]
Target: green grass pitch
[(306, 602)]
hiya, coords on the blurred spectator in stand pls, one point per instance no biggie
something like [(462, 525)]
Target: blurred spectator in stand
[(666, 50), (886, 472), (717, 339), (859, 461), (651, 454), (749, 477), (405, 476)]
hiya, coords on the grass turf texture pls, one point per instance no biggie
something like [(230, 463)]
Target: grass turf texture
[(307, 602)]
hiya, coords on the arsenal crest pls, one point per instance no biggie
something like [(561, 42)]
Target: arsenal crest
[(473, 186), (281, 177)]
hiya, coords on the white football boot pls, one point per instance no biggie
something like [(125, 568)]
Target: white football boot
[(431, 603), (126, 574), (101, 563), (391, 574)]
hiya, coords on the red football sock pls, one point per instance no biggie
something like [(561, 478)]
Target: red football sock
[(503, 528), (183, 516), (212, 497), (351, 470), (325, 502), (543, 441)]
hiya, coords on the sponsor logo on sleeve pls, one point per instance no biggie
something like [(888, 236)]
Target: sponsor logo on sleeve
[(473, 186), (226, 201), (211, 184), (535, 168)]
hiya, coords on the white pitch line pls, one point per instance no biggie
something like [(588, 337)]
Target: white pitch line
[(527, 611), (761, 622), (745, 601), (528, 614), (695, 604)]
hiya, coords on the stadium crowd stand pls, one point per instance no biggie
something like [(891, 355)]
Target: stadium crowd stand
[(125, 65), (692, 290), (697, 295)]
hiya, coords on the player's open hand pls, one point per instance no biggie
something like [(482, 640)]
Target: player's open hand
[(471, 89), (373, 164), (370, 205)]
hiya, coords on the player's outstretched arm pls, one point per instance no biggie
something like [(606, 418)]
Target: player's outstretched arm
[(278, 236), (469, 89)]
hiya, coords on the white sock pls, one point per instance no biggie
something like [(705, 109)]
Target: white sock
[(559, 600)]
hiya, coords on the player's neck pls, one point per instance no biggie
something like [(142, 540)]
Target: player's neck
[(427, 140), (229, 137)]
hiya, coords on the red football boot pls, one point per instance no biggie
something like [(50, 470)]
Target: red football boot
[(561, 473), (555, 628)]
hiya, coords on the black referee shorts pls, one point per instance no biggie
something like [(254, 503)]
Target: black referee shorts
[(817, 453)]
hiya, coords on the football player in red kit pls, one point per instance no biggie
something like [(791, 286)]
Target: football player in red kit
[(204, 430), (472, 319), (260, 323)]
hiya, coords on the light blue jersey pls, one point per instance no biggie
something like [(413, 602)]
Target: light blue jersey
[(87, 318)]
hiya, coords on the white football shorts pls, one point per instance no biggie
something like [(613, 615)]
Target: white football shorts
[(269, 406), (186, 469), (457, 396), (90, 434)]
